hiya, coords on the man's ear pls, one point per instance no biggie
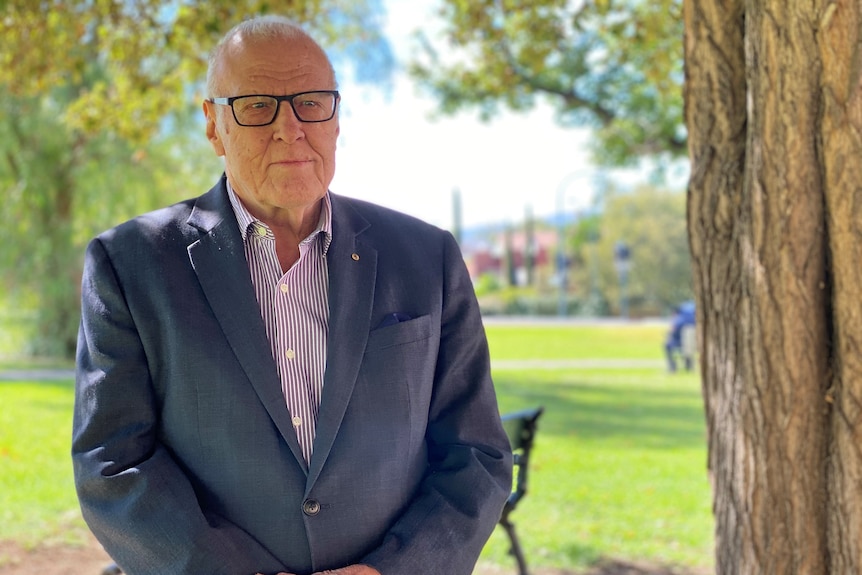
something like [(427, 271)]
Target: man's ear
[(212, 132)]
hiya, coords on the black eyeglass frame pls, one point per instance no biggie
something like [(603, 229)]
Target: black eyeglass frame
[(278, 99)]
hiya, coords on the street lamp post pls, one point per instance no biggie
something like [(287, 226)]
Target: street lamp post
[(622, 261)]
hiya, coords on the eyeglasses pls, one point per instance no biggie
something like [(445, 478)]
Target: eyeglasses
[(261, 110)]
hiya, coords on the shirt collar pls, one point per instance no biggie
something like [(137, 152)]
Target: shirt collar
[(245, 220)]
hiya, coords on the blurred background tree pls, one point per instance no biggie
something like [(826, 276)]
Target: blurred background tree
[(100, 121), (651, 222), (101, 113), (612, 65)]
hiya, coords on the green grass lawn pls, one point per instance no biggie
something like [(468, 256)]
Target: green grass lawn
[(619, 466), (37, 499), (618, 471), (551, 341)]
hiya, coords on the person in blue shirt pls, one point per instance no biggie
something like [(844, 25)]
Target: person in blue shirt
[(680, 338)]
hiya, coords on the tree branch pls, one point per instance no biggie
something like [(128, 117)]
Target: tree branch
[(570, 97)]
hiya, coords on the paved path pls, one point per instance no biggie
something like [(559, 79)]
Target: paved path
[(512, 364), (36, 374), (502, 364)]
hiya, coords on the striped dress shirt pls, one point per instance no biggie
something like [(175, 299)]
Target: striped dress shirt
[(295, 309)]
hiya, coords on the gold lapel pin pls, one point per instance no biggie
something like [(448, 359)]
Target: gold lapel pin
[(355, 257)]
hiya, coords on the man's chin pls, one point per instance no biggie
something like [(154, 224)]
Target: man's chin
[(296, 193)]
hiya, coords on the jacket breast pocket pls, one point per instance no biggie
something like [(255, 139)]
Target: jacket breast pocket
[(393, 390), (401, 333)]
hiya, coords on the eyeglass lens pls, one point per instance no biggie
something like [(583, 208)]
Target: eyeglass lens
[(261, 110)]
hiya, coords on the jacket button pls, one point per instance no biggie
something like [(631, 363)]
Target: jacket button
[(311, 507)]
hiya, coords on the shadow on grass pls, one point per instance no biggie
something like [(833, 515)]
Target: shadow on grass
[(652, 415), (606, 566), (595, 407)]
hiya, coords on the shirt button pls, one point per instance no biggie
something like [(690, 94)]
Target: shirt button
[(297, 421), (283, 288), (311, 507), (290, 354), (259, 230)]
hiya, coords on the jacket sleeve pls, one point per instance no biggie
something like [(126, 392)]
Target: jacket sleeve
[(134, 496), (469, 472)]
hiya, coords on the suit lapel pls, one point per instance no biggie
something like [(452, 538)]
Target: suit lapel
[(218, 259), (352, 275)]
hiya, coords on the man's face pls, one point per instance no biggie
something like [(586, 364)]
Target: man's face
[(287, 165)]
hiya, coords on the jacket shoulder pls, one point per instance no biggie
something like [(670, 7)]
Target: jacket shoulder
[(157, 225), (177, 220)]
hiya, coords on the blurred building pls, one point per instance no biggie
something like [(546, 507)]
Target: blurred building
[(486, 253)]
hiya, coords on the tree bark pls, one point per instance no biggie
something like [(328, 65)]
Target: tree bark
[(773, 113), (841, 136), (716, 121)]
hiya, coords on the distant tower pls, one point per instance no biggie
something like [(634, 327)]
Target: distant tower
[(529, 245), (511, 274), (456, 214)]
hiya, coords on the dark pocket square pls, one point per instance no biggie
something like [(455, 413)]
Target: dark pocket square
[(393, 318)]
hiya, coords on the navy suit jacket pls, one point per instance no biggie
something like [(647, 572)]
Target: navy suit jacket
[(184, 455)]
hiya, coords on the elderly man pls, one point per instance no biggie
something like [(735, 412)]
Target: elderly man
[(273, 378)]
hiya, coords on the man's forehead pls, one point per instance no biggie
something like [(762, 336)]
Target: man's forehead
[(272, 59), (287, 45)]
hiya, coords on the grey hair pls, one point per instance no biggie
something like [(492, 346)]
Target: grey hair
[(267, 27)]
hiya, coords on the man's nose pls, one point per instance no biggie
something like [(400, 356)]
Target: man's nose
[(286, 122)]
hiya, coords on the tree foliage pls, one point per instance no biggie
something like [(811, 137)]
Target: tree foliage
[(61, 187), (100, 121), (132, 62), (612, 65)]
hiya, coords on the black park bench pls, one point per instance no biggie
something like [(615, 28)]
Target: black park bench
[(521, 427)]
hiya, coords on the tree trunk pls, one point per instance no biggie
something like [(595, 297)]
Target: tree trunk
[(841, 140), (774, 114)]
